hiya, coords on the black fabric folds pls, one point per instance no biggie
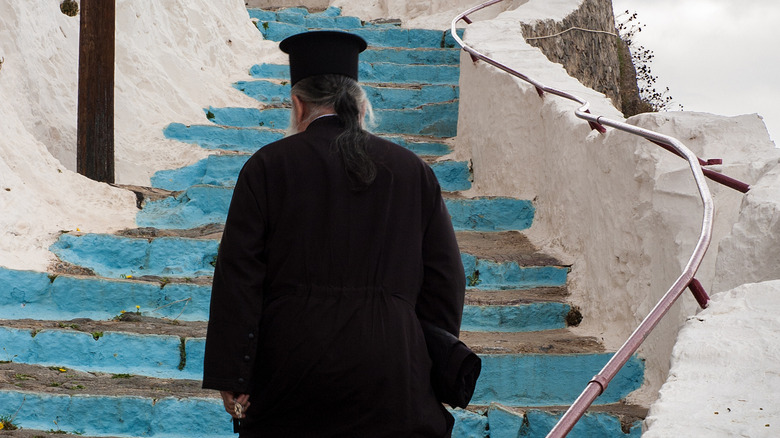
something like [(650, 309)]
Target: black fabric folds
[(455, 367)]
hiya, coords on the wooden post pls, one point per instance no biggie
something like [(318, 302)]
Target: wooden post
[(95, 130)]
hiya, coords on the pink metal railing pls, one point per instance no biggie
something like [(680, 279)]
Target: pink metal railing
[(686, 280)]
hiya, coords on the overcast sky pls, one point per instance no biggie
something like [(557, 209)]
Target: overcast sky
[(717, 56)]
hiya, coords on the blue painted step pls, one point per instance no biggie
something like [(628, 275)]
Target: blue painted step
[(313, 21), (250, 140), (115, 352), (380, 97), (399, 55), (203, 205), (453, 175), (195, 207), (533, 423), (489, 275), (436, 120), (222, 170), (549, 379), (376, 36), (518, 380), (529, 317), (325, 22), (377, 72), (222, 138), (236, 117), (101, 415), (490, 214), (34, 295), (85, 414), (215, 170), (330, 18), (117, 257), (41, 296), (408, 74)]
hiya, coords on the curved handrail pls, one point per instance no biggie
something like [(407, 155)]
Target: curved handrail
[(686, 280)]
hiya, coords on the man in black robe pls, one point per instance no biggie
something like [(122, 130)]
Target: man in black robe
[(337, 244)]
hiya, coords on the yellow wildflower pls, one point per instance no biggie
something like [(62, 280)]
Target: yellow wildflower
[(2, 425), (63, 370)]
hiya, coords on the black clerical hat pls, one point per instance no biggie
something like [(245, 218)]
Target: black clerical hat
[(323, 52)]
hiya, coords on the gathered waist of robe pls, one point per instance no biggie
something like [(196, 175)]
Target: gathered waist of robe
[(330, 291)]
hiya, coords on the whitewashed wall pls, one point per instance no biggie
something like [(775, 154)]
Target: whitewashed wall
[(622, 211), (173, 58)]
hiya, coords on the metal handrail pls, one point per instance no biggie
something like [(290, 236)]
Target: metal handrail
[(599, 383)]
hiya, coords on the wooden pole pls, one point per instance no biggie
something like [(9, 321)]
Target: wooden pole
[(95, 130)]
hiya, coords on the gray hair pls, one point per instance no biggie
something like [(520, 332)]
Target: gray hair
[(343, 95)]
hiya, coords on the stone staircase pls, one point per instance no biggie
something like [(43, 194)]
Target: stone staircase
[(110, 340)]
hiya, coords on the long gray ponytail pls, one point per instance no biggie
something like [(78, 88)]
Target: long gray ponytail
[(349, 101)]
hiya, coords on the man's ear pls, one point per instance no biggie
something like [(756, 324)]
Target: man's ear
[(299, 109)]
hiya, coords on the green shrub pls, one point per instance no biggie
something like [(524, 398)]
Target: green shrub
[(69, 8)]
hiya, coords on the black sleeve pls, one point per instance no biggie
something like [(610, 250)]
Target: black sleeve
[(444, 284), (237, 291)]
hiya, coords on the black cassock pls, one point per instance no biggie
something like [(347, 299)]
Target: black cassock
[(318, 290)]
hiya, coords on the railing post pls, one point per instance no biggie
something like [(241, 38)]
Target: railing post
[(95, 129)]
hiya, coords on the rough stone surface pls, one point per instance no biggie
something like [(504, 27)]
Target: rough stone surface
[(591, 57), (561, 341), (52, 380), (127, 322), (751, 253), (514, 297), (503, 247), (725, 375)]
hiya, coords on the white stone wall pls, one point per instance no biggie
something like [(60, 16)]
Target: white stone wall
[(725, 376), (622, 211), (173, 59), (751, 253)]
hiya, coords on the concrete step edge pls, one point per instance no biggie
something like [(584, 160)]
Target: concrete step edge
[(549, 342), (516, 297), (128, 322), (65, 381), (504, 246)]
